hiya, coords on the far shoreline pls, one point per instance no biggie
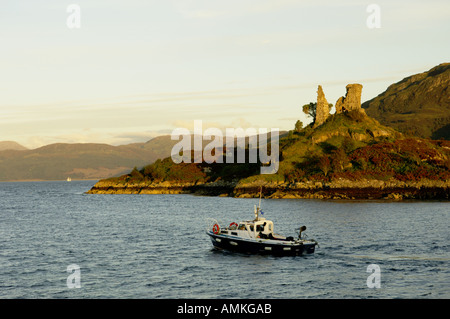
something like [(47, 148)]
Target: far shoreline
[(48, 180), (385, 194), (274, 192)]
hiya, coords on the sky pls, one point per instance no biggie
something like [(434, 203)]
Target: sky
[(136, 69)]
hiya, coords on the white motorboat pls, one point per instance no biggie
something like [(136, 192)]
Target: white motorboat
[(257, 236)]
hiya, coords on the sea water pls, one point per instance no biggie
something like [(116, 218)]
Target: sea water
[(155, 246)]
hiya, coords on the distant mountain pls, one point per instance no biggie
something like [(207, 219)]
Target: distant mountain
[(78, 161), (9, 145), (417, 105)]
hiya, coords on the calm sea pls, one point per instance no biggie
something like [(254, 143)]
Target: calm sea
[(155, 246)]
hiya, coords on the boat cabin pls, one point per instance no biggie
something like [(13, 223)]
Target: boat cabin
[(261, 228)]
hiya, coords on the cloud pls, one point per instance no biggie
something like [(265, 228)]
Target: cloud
[(205, 9), (121, 111), (92, 136), (290, 119), (235, 123)]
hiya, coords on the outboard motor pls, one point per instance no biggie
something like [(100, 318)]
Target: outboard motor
[(301, 229)]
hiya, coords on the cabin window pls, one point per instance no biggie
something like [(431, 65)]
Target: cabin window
[(234, 233)]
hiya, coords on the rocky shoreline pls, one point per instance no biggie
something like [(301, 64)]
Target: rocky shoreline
[(342, 189)]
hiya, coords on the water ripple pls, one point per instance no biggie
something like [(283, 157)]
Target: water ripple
[(132, 246)]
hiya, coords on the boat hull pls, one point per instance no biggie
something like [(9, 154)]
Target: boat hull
[(262, 246)]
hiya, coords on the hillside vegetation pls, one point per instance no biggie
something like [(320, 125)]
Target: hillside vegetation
[(347, 147), (355, 149), (418, 105)]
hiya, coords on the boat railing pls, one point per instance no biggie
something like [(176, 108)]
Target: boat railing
[(210, 222)]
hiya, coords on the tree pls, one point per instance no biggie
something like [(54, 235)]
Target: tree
[(298, 126), (310, 110), (136, 174), (324, 164)]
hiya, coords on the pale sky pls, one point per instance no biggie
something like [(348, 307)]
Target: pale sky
[(141, 68)]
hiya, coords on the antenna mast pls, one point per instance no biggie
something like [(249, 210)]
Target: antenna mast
[(260, 193), (257, 209)]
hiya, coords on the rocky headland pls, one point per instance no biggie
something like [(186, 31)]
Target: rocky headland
[(345, 155), (339, 189)]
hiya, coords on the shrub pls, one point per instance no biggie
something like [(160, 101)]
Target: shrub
[(324, 164)]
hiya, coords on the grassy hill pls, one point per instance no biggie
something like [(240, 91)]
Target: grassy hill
[(348, 147), (418, 105)]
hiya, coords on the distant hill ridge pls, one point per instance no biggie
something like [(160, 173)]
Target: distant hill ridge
[(10, 145), (417, 105), (78, 160)]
